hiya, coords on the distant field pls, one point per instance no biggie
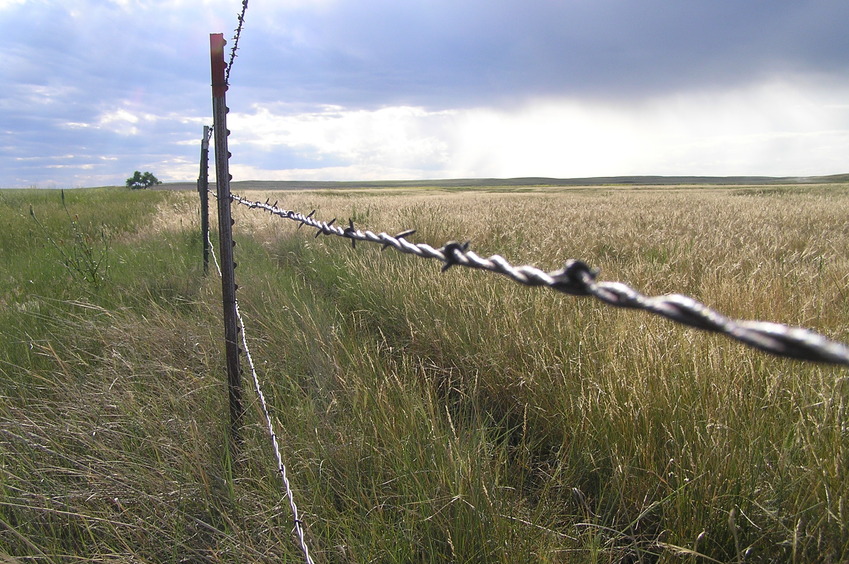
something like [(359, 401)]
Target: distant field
[(424, 416), (518, 183)]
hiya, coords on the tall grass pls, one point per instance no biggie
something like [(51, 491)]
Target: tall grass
[(429, 417)]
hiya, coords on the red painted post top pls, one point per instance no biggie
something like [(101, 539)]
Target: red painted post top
[(216, 53)]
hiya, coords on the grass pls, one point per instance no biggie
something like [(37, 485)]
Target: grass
[(425, 417)]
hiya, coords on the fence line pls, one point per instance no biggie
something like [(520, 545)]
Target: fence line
[(575, 278), (225, 235), (578, 279), (281, 467), (233, 321)]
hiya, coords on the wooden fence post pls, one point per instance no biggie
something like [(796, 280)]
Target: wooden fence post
[(225, 234), (203, 190)]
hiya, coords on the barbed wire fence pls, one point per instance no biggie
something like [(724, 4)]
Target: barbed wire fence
[(234, 324), (269, 424), (576, 278), (579, 279)]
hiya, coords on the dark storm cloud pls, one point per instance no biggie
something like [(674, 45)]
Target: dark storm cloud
[(100, 87), (448, 53)]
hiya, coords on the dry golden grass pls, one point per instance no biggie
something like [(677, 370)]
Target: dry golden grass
[(431, 417), (741, 250), (650, 421)]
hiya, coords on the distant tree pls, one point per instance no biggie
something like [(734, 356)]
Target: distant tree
[(141, 180)]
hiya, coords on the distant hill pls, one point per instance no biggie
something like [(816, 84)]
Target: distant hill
[(524, 181)]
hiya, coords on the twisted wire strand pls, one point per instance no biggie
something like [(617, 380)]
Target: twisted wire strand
[(281, 467), (579, 279), (212, 252), (241, 19)]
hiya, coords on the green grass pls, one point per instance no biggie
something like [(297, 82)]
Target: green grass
[(424, 417)]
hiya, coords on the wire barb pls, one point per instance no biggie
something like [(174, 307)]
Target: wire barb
[(454, 253), (349, 231), (575, 278), (579, 279)]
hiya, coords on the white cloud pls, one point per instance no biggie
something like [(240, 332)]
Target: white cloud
[(121, 121), (126, 120), (117, 116), (43, 94), (393, 138), (775, 128), (351, 172), (178, 169), (463, 88)]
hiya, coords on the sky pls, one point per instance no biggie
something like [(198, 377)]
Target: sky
[(415, 89)]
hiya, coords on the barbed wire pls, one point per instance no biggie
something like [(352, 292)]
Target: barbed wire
[(281, 467), (579, 279), (214, 257), (236, 37)]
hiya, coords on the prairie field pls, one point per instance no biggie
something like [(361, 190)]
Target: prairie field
[(423, 416)]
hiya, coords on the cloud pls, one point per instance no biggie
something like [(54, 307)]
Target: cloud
[(426, 88), (772, 129), (443, 53), (775, 128), (396, 138)]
